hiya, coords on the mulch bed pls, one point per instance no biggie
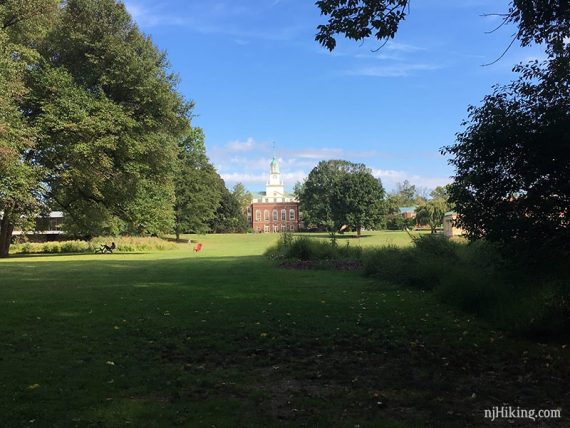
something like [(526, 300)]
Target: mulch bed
[(346, 265)]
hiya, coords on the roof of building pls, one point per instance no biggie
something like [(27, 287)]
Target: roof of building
[(407, 209), (259, 195)]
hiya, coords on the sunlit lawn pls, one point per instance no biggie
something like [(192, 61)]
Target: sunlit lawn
[(225, 338)]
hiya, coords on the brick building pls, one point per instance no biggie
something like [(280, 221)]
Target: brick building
[(274, 210)]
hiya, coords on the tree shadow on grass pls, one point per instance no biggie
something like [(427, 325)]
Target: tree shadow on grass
[(20, 256)]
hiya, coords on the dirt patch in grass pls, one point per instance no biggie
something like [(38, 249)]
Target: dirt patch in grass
[(343, 265)]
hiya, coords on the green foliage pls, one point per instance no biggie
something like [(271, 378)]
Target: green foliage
[(405, 195), (477, 278), (19, 175), (198, 186), (397, 222), (513, 162), (124, 245), (541, 22), (305, 248), (242, 195), (229, 217), (338, 193), (431, 213), (358, 20), (107, 137)]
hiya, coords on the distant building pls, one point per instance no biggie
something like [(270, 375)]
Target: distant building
[(449, 228), (408, 212), (274, 210), (47, 228)]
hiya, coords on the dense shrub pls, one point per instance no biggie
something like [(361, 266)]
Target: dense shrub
[(479, 279), (124, 245), (475, 277), (305, 248)]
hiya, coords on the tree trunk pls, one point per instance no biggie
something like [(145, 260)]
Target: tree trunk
[(177, 234), (6, 229), (358, 231)]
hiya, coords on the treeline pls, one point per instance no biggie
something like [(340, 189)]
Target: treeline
[(339, 195), (92, 124), (512, 157)]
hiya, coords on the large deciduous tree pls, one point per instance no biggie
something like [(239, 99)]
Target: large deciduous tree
[(242, 195), (109, 118), (338, 193), (22, 27), (537, 21), (512, 181), (198, 186), (431, 213), (230, 217)]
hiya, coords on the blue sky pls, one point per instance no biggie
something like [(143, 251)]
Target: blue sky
[(257, 76)]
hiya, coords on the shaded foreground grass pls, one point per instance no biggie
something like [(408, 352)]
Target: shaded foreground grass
[(225, 338)]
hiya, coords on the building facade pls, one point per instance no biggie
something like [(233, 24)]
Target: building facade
[(274, 210)]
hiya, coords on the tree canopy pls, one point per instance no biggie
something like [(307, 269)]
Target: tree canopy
[(338, 193), (90, 118), (198, 186), (21, 28), (536, 21), (512, 180)]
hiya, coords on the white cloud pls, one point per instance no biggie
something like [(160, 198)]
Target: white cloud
[(151, 17), (391, 177), (402, 47), (324, 153), (248, 162), (394, 70), (241, 146), (219, 18), (289, 178)]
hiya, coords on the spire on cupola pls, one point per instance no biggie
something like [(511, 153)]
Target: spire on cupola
[(274, 186)]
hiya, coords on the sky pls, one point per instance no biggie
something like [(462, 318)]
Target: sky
[(257, 76)]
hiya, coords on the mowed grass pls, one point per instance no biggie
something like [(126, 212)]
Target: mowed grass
[(226, 338)]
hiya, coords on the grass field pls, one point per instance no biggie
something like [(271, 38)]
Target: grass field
[(226, 338)]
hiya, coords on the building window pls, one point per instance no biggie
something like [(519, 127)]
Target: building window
[(291, 214), (258, 215), (266, 215), (283, 215), (292, 228), (266, 228), (283, 228), (275, 215), (275, 229)]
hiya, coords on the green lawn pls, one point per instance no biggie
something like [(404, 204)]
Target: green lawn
[(225, 338)]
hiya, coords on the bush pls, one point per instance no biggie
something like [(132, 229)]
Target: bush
[(305, 248), (124, 245), (129, 244), (479, 279)]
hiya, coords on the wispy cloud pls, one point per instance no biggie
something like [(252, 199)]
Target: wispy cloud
[(259, 179), (391, 177), (241, 146), (392, 70), (324, 153), (218, 17), (247, 161), (402, 47)]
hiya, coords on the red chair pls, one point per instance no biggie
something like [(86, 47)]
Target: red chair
[(198, 247)]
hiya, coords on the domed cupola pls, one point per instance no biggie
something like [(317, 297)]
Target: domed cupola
[(274, 187), (274, 166)]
